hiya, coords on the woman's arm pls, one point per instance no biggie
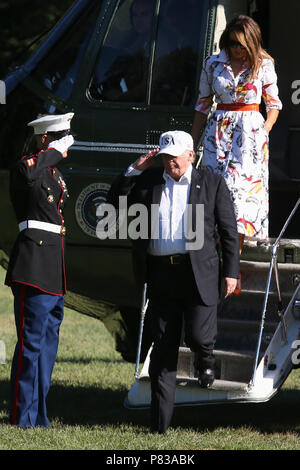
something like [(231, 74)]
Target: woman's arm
[(198, 126), (272, 116)]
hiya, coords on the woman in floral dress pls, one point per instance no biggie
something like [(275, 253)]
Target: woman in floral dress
[(236, 136)]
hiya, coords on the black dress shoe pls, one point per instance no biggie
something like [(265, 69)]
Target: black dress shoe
[(206, 378), (156, 431)]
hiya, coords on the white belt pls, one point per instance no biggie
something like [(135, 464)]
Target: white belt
[(42, 226)]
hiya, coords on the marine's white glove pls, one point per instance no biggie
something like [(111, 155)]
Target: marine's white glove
[(62, 144)]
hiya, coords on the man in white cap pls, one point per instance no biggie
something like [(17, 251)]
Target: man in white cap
[(36, 271), (182, 277)]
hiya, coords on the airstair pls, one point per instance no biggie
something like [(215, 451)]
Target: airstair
[(258, 333)]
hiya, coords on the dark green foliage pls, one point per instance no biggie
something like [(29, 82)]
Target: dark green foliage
[(21, 23)]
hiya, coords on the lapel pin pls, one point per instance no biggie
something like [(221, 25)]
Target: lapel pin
[(198, 186)]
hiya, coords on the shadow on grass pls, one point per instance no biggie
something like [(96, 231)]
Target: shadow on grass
[(279, 415), (87, 360), (91, 406), (83, 406)]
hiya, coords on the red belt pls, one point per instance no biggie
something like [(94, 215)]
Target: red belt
[(237, 107)]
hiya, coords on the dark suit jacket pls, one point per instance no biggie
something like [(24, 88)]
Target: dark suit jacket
[(207, 189), (38, 192)]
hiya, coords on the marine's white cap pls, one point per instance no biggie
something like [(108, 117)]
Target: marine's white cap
[(52, 123), (175, 143)]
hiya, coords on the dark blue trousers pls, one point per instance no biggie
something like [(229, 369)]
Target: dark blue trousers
[(38, 317)]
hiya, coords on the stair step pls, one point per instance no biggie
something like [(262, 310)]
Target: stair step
[(217, 384), (252, 326), (255, 274), (230, 366), (288, 250), (221, 354), (248, 307)]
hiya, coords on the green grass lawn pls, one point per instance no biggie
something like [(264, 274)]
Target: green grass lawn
[(90, 382)]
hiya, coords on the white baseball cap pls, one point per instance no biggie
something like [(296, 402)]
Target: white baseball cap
[(52, 123), (175, 143)]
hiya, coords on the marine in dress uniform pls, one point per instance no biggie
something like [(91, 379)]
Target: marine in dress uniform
[(36, 271)]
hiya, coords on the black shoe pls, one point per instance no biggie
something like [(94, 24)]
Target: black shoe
[(206, 378), (156, 431)]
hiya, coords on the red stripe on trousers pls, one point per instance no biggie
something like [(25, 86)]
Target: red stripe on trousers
[(20, 359)]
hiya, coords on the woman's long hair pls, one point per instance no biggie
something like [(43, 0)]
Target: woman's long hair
[(247, 33)]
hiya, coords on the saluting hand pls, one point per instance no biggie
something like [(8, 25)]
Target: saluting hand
[(145, 160), (62, 145)]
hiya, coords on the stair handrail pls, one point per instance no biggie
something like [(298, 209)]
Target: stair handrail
[(273, 265)]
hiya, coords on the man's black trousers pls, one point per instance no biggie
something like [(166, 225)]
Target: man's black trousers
[(174, 302)]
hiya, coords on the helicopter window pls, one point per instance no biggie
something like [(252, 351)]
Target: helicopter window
[(175, 62), (122, 68), (59, 70)]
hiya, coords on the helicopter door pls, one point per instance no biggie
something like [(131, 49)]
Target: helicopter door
[(147, 58), (147, 71)]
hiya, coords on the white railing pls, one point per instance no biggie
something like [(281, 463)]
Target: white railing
[(273, 265)]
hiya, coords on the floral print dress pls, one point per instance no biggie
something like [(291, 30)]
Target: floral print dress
[(236, 142)]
